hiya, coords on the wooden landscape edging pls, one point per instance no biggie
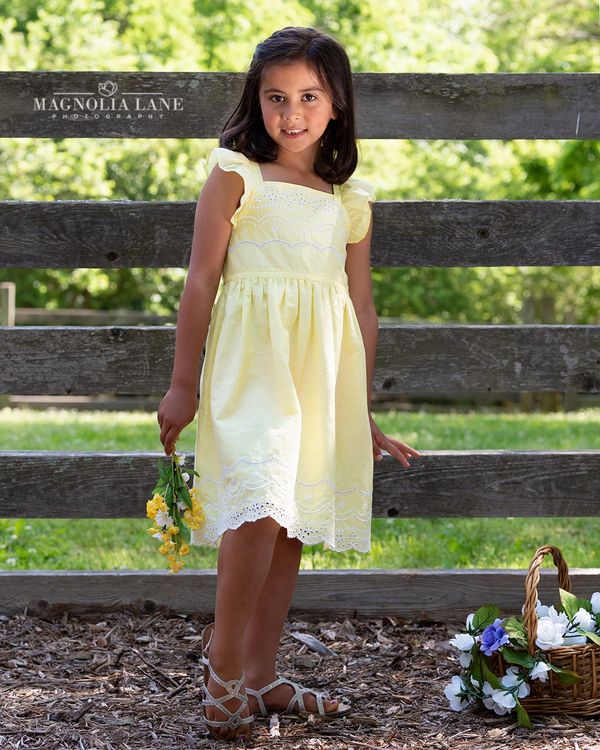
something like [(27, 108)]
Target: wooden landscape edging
[(411, 594)]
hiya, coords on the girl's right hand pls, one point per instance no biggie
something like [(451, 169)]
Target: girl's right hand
[(176, 410)]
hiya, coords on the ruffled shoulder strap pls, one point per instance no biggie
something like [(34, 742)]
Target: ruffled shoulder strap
[(234, 161), (356, 194)]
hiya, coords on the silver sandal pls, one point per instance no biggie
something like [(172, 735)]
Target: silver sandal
[(233, 688), (299, 690)]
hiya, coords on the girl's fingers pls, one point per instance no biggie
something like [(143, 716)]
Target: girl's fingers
[(403, 446), (170, 440), (398, 450)]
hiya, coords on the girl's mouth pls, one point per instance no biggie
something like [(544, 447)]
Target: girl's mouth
[(293, 133)]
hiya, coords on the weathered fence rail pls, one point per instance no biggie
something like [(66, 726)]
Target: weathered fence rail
[(440, 358)]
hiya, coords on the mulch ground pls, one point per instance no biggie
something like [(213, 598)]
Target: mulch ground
[(128, 681)]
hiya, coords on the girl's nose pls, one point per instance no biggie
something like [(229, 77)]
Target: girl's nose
[(291, 117)]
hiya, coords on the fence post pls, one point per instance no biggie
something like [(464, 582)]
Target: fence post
[(7, 318)]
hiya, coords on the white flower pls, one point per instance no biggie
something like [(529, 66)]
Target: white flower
[(512, 678), (490, 702), (539, 671), (503, 700), (549, 633), (181, 460), (163, 519), (463, 642), (452, 690), (157, 536), (185, 476), (584, 620), (596, 602), (182, 506), (470, 619), (556, 616), (541, 609), (466, 657)]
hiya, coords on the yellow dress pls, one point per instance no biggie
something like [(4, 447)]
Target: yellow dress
[(283, 421)]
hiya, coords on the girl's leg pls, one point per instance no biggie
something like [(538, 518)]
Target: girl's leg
[(265, 625), (244, 560)]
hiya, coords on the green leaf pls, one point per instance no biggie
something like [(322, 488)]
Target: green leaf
[(515, 631), (523, 659), (569, 603), (185, 533), (476, 666), (492, 678), (568, 677), (523, 716), (484, 616), (169, 497), (184, 494), (160, 488)]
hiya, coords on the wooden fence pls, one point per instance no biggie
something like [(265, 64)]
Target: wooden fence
[(457, 358)]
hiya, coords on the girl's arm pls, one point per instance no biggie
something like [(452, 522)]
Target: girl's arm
[(358, 270), (216, 205)]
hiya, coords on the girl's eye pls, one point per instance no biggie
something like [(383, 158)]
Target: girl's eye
[(280, 97)]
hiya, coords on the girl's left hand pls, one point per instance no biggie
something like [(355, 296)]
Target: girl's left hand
[(400, 451)]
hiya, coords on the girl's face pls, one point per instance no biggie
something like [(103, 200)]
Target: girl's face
[(291, 98)]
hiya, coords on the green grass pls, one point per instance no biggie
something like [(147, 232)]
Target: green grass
[(90, 544)]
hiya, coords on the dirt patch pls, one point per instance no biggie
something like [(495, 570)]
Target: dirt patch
[(127, 681)]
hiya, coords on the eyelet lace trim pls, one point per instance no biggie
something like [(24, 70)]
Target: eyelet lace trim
[(318, 511)]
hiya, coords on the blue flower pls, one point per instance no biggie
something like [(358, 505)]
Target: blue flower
[(493, 637)]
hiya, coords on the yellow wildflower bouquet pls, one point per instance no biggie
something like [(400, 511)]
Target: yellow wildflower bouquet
[(175, 509)]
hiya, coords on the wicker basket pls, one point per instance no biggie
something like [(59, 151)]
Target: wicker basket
[(554, 696)]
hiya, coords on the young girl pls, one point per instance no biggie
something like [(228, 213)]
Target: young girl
[(285, 440)]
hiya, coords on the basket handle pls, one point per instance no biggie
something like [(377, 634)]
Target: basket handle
[(530, 619)]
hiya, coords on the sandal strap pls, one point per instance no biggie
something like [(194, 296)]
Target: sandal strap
[(300, 691), (233, 688), (258, 694)]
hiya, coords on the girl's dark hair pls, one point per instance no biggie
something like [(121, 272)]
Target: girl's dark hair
[(245, 132)]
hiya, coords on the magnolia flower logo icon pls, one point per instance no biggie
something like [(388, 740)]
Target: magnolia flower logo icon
[(108, 88)]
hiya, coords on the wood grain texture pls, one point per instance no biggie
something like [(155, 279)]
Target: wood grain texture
[(112, 104), (449, 484), (158, 234), (83, 360), (415, 594)]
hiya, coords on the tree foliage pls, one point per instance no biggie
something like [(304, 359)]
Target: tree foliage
[(379, 35)]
